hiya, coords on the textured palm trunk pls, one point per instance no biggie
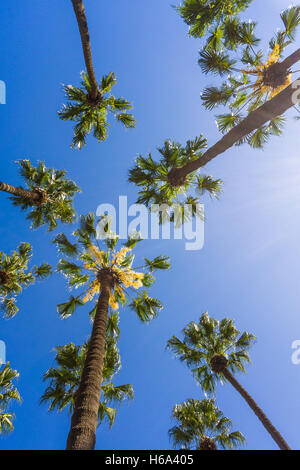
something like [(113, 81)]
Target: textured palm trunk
[(82, 435), (32, 196), (259, 413), (207, 444), (270, 110), (86, 45)]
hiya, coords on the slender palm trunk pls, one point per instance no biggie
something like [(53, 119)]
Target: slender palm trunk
[(86, 45), (32, 196), (268, 111), (259, 413), (82, 435)]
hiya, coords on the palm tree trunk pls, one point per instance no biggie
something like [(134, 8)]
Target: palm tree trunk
[(86, 45), (82, 435), (32, 196), (291, 59), (268, 111), (259, 413)]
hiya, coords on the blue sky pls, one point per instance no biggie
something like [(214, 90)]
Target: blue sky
[(248, 268)]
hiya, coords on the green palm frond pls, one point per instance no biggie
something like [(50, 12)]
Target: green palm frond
[(8, 395), (6, 422), (15, 276), (291, 20), (147, 308), (160, 262), (216, 62), (212, 18)]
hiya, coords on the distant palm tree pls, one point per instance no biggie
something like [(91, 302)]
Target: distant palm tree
[(110, 274), (90, 104), (48, 195), (65, 378), (216, 350), (16, 276), (202, 426), (91, 116), (154, 180), (8, 394)]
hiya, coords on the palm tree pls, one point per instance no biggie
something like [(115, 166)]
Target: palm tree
[(110, 274), (202, 426), (65, 378), (267, 97), (90, 104), (153, 177), (216, 350), (48, 195), (251, 81), (216, 19), (16, 276), (8, 394), (91, 116)]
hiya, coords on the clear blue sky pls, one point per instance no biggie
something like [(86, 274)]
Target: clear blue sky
[(248, 268)]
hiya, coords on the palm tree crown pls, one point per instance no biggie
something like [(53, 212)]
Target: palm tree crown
[(201, 425), (209, 345), (91, 114), (65, 378), (251, 80), (95, 263), (216, 19), (8, 394), (48, 195), (15, 276), (159, 186)]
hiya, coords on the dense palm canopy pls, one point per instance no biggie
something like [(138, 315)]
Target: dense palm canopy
[(201, 425), (92, 261), (251, 79), (8, 395), (158, 186), (214, 19), (15, 276), (207, 339), (64, 379), (48, 195), (91, 114)]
